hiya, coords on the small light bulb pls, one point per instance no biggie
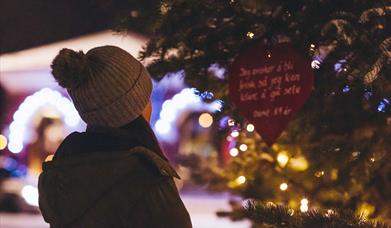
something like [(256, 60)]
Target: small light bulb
[(235, 134), (205, 120), (250, 35), (3, 142), (315, 64), (234, 152), (319, 173), (243, 147), (291, 212), (241, 180), (329, 212), (304, 201), (283, 186), (250, 127), (282, 159), (303, 208)]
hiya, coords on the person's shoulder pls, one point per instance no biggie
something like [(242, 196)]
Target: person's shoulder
[(155, 160), (66, 143)]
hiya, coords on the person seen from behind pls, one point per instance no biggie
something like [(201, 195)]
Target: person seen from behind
[(113, 175)]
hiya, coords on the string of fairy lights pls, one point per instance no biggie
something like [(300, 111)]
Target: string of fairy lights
[(298, 163), (237, 136)]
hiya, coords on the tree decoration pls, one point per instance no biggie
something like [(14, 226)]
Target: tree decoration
[(343, 129), (269, 85)]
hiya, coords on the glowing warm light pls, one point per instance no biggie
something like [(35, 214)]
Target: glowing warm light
[(234, 152), (299, 163), (329, 212), (283, 186), (366, 209), (304, 208), (304, 201), (291, 212), (243, 147), (240, 180), (205, 120), (235, 134), (3, 142), (184, 101), (334, 174), (304, 205), (275, 147), (250, 127), (282, 158), (250, 35), (30, 195), (319, 173)]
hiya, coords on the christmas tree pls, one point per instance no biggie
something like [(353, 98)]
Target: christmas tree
[(334, 157)]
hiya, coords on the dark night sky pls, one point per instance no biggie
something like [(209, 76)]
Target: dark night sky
[(25, 24)]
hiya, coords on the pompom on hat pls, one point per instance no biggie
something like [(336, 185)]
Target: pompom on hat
[(108, 86)]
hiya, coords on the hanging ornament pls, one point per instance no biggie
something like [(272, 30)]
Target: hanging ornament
[(268, 86)]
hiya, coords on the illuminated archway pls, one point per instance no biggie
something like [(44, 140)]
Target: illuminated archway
[(173, 111), (47, 101)]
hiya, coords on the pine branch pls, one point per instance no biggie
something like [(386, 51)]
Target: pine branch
[(280, 216), (344, 134)]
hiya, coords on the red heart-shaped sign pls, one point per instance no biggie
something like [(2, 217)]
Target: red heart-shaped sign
[(269, 86)]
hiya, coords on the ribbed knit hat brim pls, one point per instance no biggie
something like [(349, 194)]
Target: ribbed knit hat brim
[(116, 89), (125, 108)]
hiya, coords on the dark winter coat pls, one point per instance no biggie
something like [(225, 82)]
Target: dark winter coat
[(107, 178)]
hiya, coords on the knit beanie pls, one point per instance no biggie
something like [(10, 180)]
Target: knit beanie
[(108, 86)]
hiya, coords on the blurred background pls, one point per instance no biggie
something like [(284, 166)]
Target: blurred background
[(330, 165), (36, 114)]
